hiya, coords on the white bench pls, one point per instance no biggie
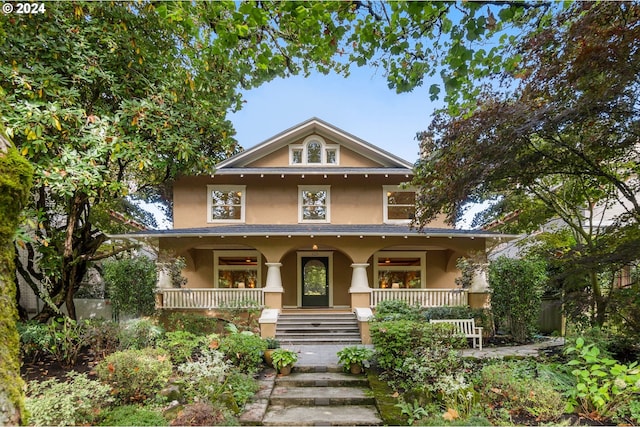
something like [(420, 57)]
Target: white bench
[(466, 327)]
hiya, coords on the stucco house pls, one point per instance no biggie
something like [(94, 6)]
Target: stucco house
[(312, 218)]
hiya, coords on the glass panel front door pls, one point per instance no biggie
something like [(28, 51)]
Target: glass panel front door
[(315, 281)]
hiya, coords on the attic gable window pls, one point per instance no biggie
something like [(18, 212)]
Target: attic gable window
[(225, 203), (314, 151), (399, 204)]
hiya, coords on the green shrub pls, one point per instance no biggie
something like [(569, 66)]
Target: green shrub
[(77, 401), (244, 350), (516, 387), (66, 338), (131, 285), (135, 375), (419, 374), (516, 287), (131, 415), (397, 310), (181, 345), (197, 324), (137, 334), (396, 340), (102, 336), (34, 339), (242, 387), (204, 414), (204, 378), (603, 385)]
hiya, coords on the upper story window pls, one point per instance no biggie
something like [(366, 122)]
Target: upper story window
[(226, 203), (314, 151), (313, 203), (399, 204)]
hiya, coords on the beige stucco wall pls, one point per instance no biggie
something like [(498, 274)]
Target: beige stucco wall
[(355, 199)]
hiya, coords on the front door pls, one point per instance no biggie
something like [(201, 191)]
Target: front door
[(315, 281)]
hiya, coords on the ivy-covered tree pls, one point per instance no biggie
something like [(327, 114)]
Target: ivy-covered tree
[(15, 183), (560, 141)]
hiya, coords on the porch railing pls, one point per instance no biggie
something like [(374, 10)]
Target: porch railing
[(422, 297), (210, 298)]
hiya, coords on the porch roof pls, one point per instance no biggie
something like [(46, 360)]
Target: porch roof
[(337, 230)]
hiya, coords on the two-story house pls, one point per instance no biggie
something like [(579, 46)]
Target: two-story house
[(313, 217)]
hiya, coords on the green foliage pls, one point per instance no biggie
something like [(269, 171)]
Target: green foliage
[(244, 350), (396, 310), (102, 336), (205, 414), (396, 340), (204, 378), (132, 415), (131, 285), (195, 323), (242, 387), (181, 345), (65, 339), (135, 375), (76, 401), (34, 339), (354, 355), (139, 333), (272, 343), (516, 292), (516, 387), (412, 410), (603, 385), (283, 357)]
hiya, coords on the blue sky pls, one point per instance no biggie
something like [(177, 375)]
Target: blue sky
[(360, 104)]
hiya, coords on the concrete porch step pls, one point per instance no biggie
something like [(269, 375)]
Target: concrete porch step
[(346, 415), (318, 328)]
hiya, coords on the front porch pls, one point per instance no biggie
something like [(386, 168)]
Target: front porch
[(215, 298)]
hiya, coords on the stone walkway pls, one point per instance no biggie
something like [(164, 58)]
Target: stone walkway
[(515, 350), (323, 360)]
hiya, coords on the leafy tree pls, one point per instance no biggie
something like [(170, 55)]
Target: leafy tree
[(131, 284), (111, 101), (516, 290), (15, 184), (559, 141)]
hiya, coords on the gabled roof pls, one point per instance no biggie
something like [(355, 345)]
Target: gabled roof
[(318, 127)]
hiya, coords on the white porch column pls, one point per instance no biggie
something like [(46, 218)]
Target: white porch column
[(274, 279), (360, 290), (273, 289), (164, 277), (359, 280), (479, 289)]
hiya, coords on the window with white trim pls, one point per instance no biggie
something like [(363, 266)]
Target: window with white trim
[(314, 203), (237, 269), (314, 151), (399, 204), (226, 203), (401, 270)]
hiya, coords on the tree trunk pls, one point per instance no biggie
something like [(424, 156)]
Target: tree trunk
[(15, 185)]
